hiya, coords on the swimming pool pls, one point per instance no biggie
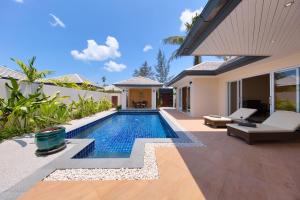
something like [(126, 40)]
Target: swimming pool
[(114, 136)]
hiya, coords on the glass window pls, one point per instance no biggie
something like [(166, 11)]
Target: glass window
[(285, 91)]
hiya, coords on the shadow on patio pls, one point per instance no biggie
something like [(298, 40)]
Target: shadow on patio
[(228, 168)]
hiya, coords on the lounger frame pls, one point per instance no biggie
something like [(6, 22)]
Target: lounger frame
[(216, 123), (251, 138)]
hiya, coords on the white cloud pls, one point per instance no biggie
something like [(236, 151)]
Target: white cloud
[(112, 66), (147, 48), (19, 1), (57, 21), (187, 16), (95, 52)]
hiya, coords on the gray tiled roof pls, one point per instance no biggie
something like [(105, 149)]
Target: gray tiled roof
[(70, 78), (111, 87), (138, 81), (209, 65), (6, 72)]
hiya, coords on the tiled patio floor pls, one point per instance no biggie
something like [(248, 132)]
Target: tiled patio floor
[(227, 168)]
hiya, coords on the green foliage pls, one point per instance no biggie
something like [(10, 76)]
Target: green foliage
[(21, 114), (179, 40), (86, 107), (162, 68), (145, 71), (62, 83), (87, 86), (103, 80), (119, 107), (285, 105), (30, 71)]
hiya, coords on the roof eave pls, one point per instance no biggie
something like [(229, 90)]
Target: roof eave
[(228, 66), (212, 15), (137, 85)]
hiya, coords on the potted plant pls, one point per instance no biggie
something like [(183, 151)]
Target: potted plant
[(50, 140)]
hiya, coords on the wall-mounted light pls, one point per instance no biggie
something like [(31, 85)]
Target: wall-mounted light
[(288, 4)]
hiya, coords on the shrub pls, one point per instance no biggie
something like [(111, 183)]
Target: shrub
[(20, 114)]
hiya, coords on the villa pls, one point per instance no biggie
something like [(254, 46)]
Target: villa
[(139, 92), (264, 74), (149, 140)]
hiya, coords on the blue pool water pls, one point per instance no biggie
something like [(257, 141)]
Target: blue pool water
[(115, 136)]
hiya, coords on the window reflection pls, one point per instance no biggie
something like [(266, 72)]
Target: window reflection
[(285, 90)]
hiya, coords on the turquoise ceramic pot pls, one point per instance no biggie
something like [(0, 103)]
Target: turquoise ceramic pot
[(50, 138)]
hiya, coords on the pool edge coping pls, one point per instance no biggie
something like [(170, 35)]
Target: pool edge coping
[(136, 159)]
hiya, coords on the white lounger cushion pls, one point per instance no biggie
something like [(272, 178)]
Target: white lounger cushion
[(261, 128), (284, 119), (222, 119), (242, 112)]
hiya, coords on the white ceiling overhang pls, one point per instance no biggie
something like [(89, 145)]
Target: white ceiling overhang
[(255, 28)]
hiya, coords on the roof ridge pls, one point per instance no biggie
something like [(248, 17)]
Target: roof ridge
[(11, 69), (202, 63), (79, 77)]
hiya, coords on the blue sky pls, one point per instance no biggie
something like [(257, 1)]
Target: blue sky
[(57, 32)]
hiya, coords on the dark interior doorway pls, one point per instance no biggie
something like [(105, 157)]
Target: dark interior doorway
[(256, 94)]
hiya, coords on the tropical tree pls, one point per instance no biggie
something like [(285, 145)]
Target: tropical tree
[(145, 70), (178, 40), (103, 80), (162, 68), (30, 71), (225, 58)]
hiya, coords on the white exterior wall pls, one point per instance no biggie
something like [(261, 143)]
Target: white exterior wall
[(209, 94), (204, 96), (264, 66), (50, 90), (153, 98), (124, 98), (125, 93)]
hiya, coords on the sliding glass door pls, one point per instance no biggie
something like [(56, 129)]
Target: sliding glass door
[(185, 99), (179, 99), (234, 96), (267, 93)]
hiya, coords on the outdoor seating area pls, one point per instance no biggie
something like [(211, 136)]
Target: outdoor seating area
[(228, 169), (280, 126), (140, 104), (220, 121), (150, 100)]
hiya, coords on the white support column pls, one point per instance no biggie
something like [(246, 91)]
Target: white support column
[(124, 98), (193, 99), (153, 101)]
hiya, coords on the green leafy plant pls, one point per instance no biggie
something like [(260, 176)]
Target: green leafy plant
[(21, 113), (30, 71), (87, 106), (62, 83), (119, 107)]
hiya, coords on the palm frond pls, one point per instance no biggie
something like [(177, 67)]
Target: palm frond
[(174, 40), (174, 56)]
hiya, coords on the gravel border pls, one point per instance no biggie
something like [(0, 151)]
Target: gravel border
[(148, 172)]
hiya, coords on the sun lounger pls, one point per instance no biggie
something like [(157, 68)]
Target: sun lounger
[(281, 125), (220, 121)]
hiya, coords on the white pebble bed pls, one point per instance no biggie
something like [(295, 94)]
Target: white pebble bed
[(148, 172)]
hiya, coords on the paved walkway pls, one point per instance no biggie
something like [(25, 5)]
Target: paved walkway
[(227, 168), (18, 160)]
